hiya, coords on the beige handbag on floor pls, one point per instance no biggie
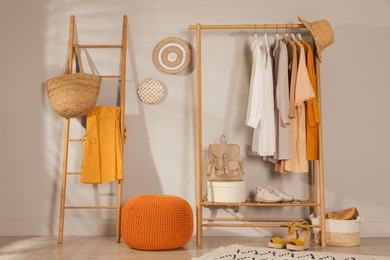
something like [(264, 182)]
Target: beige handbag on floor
[(73, 94), (224, 162)]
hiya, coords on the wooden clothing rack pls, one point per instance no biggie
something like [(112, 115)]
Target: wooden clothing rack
[(317, 166), (122, 78)]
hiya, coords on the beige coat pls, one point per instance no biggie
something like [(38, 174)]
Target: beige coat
[(303, 91)]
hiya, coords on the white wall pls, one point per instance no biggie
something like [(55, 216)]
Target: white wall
[(159, 153)]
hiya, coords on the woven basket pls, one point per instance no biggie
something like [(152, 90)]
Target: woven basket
[(150, 91), (342, 239), (73, 95), (171, 55), (339, 232)]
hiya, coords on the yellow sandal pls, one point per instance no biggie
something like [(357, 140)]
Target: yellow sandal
[(278, 242), (302, 242)]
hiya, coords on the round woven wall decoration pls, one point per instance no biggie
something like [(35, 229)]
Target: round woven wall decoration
[(171, 55), (150, 91)]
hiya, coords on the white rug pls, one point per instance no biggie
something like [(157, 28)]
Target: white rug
[(239, 252)]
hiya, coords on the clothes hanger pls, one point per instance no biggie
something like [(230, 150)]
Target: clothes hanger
[(276, 33), (266, 47), (255, 32), (285, 33), (265, 35), (292, 35), (299, 36)]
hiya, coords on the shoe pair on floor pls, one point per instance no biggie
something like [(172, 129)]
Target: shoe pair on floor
[(296, 239), (270, 194)]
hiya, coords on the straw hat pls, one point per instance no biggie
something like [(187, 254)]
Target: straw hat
[(171, 55), (322, 33)]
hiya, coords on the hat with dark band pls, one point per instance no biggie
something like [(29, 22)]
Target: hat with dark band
[(322, 33)]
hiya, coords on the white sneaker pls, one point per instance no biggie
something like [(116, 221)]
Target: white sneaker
[(265, 195), (281, 194)]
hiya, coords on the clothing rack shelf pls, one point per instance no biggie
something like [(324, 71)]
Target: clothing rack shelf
[(67, 140), (258, 204), (317, 166)]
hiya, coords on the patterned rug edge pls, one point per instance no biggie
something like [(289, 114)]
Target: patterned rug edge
[(241, 252)]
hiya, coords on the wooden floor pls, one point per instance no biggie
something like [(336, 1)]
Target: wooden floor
[(105, 247)]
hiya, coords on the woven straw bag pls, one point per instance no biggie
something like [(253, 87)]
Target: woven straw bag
[(73, 94)]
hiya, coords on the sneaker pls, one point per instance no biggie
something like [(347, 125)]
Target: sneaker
[(284, 196), (265, 195)]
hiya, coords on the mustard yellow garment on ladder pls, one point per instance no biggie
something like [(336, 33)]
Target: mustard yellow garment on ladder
[(103, 150)]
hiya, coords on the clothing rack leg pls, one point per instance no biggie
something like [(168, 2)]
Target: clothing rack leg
[(320, 161), (198, 115), (315, 186)]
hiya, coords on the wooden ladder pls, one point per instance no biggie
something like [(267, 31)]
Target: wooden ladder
[(67, 140)]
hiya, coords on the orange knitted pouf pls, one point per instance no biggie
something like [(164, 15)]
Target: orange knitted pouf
[(157, 222)]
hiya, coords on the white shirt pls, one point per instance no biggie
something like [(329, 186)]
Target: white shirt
[(260, 111)]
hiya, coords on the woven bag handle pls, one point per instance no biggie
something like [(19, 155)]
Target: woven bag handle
[(222, 139), (78, 57)]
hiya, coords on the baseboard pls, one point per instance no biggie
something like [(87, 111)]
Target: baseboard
[(72, 227), (375, 228), (99, 227)]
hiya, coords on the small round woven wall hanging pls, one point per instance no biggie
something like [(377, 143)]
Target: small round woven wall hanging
[(171, 55), (150, 91)]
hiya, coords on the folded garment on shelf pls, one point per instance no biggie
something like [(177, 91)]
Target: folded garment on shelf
[(346, 214)]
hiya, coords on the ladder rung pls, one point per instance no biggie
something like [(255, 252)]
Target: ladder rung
[(111, 76), (91, 207), (73, 173), (100, 46), (76, 140)]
